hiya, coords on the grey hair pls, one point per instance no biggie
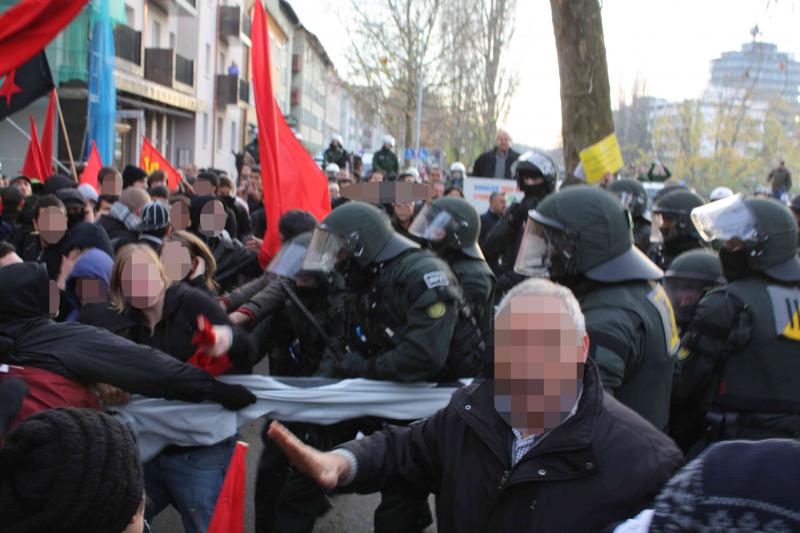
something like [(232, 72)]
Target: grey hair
[(544, 287)]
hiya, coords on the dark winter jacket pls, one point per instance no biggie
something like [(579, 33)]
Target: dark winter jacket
[(173, 333), (484, 165), (86, 354), (50, 255), (233, 259), (117, 232), (600, 466)]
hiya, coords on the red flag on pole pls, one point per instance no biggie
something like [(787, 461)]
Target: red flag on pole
[(34, 166), (47, 134), (290, 177), (228, 514), (27, 27), (151, 159), (93, 166)]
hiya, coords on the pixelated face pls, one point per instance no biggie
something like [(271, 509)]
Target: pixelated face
[(142, 285), (203, 187), (51, 224), (212, 219), (177, 260), (53, 298), (112, 184), (538, 360), (90, 291), (179, 216)]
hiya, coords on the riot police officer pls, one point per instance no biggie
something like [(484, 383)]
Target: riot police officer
[(633, 197), (690, 276), (743, 342), (536, 176), (580, 237), (451, 227), (671, 219)]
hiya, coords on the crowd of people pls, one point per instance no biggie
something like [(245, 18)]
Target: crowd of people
[(632, 358)]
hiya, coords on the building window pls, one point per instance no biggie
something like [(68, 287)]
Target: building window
[(155, 37), (219, 133), (234, 143), (221, 63), (208, 60), (205, 130)]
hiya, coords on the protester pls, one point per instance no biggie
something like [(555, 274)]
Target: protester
[(157, 178), (780, 180), (71, 470), (8, 255), (87, 282), (454, 191), (46, 243), (385, 160), (155, 225), (123, 222), (104, 204), (23, 183), (187, 259), (133, 176), (110, 182), (146, 307), (90, 195), (77, 207), (496, 163), (497, 206), (208, 219), (733, 486), (534, 449)]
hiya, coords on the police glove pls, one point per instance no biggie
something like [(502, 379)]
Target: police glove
[(232, 397), (518, 214), (354, 365)]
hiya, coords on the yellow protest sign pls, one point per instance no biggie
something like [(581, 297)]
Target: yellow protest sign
[(600, 158)]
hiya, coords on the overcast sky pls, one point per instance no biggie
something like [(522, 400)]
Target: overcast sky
[(668, 43)]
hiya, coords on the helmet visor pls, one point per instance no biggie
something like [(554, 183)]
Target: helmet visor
[(724, 220), (325, 251), (289, 260), (534, 251), (431, 224)]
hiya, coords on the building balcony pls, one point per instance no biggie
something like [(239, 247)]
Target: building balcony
[(231, 90), (184, 70), (165, 67), (244, 91), (128, 44), (230, 22)]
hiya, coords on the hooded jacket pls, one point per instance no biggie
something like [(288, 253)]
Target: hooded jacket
[(93, 264), (598, 467), (86, 354), (230, 254), (50, 255)]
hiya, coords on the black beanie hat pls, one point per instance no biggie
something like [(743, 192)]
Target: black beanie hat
[(132, 174), (69, 470), (57, 182), (24, 292)]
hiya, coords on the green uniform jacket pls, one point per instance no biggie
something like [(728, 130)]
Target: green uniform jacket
[(385, 160), (477, 284), (634, 342), (403, 323), (740, 356)]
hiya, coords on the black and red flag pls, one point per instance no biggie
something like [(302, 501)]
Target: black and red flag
[(24, 84)]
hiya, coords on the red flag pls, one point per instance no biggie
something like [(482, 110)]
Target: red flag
[(290, 177), (26, 28), (229, 512), (47, 134), (93, 166), (34, 166), (151, 159)]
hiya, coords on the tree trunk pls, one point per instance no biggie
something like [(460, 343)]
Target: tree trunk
[(585, 96)]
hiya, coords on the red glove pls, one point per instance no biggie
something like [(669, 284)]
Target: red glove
[(207, 342)]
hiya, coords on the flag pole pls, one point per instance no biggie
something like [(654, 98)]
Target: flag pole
[(24, 134), (66, 137)]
